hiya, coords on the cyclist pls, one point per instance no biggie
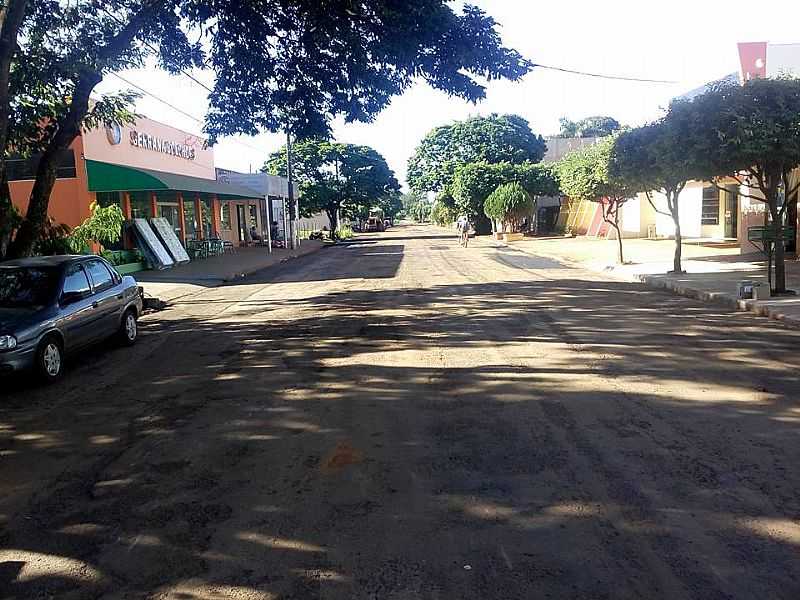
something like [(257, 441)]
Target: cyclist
[(463, 226)]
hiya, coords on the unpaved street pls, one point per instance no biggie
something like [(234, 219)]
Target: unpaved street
[(399, 418)]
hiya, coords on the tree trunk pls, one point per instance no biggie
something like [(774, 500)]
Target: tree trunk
[(674, 209), (11, 17), (68, 129), (619, 234), (333, 217), (677, 267), (779, 282)]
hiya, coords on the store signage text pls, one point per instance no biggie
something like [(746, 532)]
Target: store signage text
[(149, 142)]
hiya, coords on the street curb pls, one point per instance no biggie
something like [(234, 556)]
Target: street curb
[(718, 298), (286, 259), (656, 282), (218, 282)]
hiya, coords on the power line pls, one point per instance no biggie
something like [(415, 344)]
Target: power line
[(152, 95), (604, 76), (179, 110)]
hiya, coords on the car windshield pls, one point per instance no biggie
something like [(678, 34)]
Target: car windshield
[(27, 287)]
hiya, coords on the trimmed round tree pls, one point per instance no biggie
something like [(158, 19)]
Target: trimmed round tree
[(586, 174), (509, 204), (475, 181)]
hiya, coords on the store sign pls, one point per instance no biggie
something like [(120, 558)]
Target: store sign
[(156, 144)]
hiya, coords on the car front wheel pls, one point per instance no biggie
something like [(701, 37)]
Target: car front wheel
[(129, 329), (50, 359)]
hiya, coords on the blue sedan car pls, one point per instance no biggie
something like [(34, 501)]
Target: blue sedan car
[(51, 306)]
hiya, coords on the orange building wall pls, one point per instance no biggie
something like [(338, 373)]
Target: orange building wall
[(70, 200)]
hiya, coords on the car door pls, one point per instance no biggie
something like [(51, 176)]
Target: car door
[(77, 311), (108, 299)]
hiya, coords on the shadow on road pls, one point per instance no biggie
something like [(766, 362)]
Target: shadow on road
[(582, 440)]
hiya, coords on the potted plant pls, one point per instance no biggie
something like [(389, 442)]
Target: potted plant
[(509, 205)]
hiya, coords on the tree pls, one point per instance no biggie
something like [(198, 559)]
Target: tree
[(588, 127), (12, 14), (103, 226), (509, 204), (339, 179), (279, 64), (492, 139), (473, 183), (751, 133), (391, 205), (586, 174), (444, 211), (661, 156)]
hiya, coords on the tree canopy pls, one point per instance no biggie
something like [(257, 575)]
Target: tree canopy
[(587, 174), (474, 182), (663, 156), (598, 126), (279, 64), (338, 179), (492, 139), (509, 204), (751, 134)]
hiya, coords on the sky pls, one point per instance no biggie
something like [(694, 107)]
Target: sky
[(690, 42)]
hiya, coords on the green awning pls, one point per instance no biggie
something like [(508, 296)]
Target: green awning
[(105, 177)]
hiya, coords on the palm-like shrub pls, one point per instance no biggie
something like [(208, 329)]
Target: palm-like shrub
[(509, 205)]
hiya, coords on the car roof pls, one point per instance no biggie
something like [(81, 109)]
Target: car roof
[(45, 261)]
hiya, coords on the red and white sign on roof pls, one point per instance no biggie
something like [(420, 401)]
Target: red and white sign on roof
[(762, 59)]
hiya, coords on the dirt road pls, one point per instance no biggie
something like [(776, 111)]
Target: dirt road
[(401, 418)]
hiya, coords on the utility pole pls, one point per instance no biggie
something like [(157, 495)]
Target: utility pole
[(290, 193)]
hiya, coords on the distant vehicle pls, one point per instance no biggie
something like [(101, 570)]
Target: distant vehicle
[(387, 223), (51, 306), (374, 224)]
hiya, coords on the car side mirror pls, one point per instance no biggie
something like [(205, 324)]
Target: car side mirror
[(70, 297)]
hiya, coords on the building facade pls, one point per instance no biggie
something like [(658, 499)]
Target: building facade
[(149, 169)]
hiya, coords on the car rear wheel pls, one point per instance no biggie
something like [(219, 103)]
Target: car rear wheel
[(50, 359), (128, 329)]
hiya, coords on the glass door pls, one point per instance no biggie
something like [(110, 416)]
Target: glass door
[(731, 212), (169, 211), (242, 222)]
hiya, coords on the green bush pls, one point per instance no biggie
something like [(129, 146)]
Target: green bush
[(55, 239), (509, 204), (443, 213), (345, 232), (104, 226), (121, 257)]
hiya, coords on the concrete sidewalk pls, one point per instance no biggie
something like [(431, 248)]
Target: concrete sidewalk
[(713, 270), (184, 280)]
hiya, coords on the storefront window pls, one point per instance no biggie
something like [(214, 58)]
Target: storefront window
[(207, 217), (106, 199), (252, 210), (19, 168), (225, 215), (189, 217), (710, 208), (140, 205)]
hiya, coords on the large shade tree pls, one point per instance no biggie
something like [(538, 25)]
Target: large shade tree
[(338, 179), (598, 126), (279, 64), (662, 157), (586, 174), (473, 182), (751, 134), (492, 139)]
